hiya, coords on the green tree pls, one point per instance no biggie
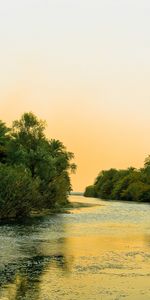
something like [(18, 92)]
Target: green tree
[(4, 139), (27, 137), (58, 184), (104, 183), (90, 191), (17, 191), (45, 164), (130, 184)]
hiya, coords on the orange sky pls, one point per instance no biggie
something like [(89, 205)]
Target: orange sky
[(84, 66)]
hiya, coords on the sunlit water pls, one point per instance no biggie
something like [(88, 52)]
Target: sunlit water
[(97, 252)]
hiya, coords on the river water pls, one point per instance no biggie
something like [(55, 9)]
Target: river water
[(99, 250)]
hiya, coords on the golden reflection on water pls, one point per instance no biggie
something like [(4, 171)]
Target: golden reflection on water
[(87, 254)]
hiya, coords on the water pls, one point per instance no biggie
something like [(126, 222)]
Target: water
[(100, 250)]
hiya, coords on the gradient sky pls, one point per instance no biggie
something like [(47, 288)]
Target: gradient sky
[(84, 66)]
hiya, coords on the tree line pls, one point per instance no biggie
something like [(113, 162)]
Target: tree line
[(34, 171), (130, 184)]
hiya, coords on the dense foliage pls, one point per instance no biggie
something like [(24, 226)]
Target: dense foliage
[(131, 184), (34, 171)]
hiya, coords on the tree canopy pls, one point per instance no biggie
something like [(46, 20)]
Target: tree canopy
[(34, 171), (130, 184)]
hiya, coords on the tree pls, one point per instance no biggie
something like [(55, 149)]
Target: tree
[(104, 183), (130, 184), (90, 191), (4, 139), (38, 160), (27, 137), (17, 191)]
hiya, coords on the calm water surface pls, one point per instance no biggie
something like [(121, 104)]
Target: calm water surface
[(101, 251)]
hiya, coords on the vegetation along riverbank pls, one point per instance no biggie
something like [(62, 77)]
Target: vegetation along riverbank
[(130, 184), (34, 171)]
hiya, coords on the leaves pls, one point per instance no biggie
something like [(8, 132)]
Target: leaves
[(33, 163), (130, 184)]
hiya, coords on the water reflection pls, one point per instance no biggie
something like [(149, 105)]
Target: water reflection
[(23, 278), (82, 255), (37, 248)]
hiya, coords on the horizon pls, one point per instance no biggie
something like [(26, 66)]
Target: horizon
[(83, 66)]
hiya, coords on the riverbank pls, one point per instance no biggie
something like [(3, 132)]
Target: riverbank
[(39, 213), (130, 184), (35, 213)]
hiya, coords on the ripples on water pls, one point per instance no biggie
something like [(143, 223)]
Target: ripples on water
[(101, 251)]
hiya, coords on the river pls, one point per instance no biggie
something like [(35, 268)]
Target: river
[(99, 250)]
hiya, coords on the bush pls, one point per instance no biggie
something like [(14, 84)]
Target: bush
[(18, 191), (90, 191)]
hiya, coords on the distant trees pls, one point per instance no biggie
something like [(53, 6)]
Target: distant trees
[(130, 184), (90, 191), (34, 171)]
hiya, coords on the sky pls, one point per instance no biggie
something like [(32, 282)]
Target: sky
[(84, 67)]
